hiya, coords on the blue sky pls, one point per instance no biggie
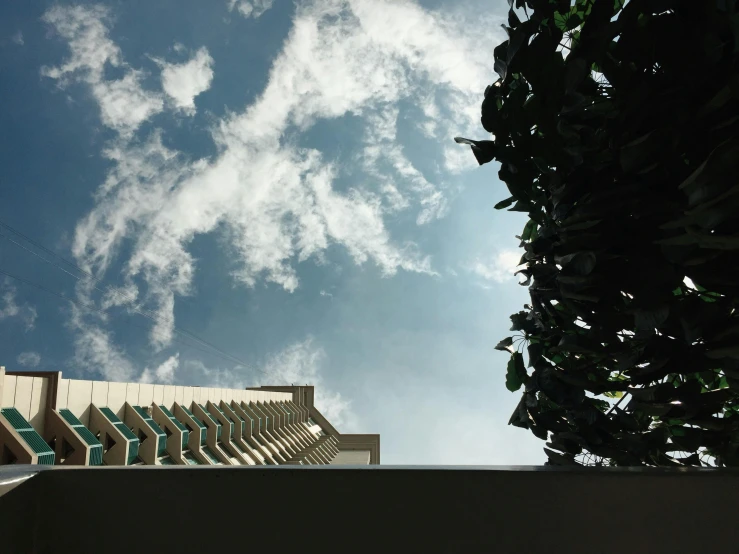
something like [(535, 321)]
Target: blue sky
[(278, 179)]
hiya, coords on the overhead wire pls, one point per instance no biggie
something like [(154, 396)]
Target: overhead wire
[(107, 290), (179, 340)]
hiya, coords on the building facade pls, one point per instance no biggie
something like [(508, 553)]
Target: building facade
[(46, 419)]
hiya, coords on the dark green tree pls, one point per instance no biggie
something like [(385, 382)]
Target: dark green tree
[(616, 126)]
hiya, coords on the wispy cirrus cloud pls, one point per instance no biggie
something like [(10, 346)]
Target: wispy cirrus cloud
[(299, 363), (95, 348), (124, 104), (10, 308), (499, 268), (29, 359), (275, 202), (250, 8)]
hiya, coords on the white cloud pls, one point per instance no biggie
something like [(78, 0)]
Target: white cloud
[(431, 116), (164, 374), (29, 359), (498, 269), (29, 317), (300, 364), (183, 82), (95, 350), (124, 104), (9, 307), (18, 38), (250, 8), (383, 159), (472, 440), (458, 160), (275, 203)]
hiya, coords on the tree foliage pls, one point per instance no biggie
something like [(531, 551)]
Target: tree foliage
[(616, 126)]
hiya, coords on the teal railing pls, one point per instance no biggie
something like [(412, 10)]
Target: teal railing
[(243, 423), (219, 427), (133, 441), (185, 432), (210, 455), (161, 435), (251, 422), (96, 449), (30, 436), (190, 459), (230, 423), (203, 430)]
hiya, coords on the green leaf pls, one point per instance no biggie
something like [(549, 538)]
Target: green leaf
[(505, 344), (575, 70), (505, 203), (581, 263), (560, 21), (535, 352), (721, 98), (500, 55), (556, 359), (484, 150), (516, 372), (513, 20), (574, 37), (577, 224), (640, 152), (651, 319), (557, 459), (724, 352), (521, 322), (520, 416), (702, 184), (521, 207), (567, 21), (528, 230)]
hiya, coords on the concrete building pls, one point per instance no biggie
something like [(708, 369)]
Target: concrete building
[(48, 420), (217, 501)]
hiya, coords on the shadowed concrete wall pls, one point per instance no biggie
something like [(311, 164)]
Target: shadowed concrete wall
[(528, 510)]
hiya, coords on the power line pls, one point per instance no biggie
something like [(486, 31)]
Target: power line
[(91, 307), (130, 298), (108, 289)]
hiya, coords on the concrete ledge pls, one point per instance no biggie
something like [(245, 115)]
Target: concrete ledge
[(383, 509)]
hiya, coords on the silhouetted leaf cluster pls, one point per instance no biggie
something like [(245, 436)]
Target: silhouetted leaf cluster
[(616, 126)]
